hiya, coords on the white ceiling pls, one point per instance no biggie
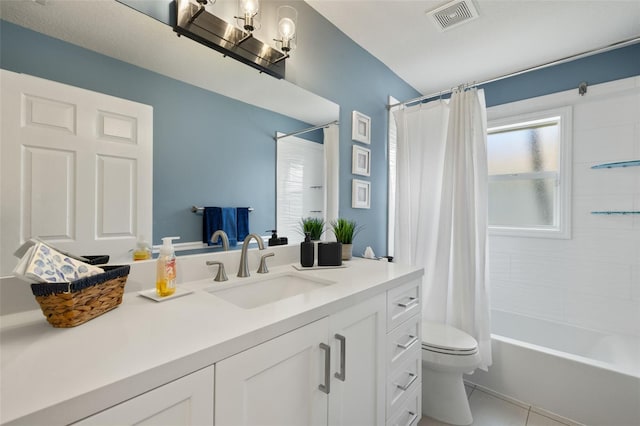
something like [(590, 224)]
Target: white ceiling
[(508, 36)]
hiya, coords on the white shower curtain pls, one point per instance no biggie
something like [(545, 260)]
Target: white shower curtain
[(441, 209)]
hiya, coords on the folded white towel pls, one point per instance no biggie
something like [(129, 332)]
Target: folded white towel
[(43, 264), (368, 253)]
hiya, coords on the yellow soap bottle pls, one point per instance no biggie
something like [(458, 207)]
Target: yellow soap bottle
[(142, 250), (166, 268)]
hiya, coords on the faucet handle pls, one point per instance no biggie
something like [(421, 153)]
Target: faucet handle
[(221, 276), (262, 269)]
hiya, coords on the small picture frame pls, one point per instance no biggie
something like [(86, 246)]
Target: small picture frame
[(360, 194), (361, 161), (360, 127)]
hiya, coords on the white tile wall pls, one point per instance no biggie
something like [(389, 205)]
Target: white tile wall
[(530, 299), (583, 205), (635, 279), (588, 181), (590, 148), (603, 313), (593, 279)]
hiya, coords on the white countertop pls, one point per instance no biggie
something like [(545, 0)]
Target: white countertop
[(56, 376)]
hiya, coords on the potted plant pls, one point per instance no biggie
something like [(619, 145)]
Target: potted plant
[(345, 231), (314, 226)]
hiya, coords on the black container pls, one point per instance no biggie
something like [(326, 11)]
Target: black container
[(277, 241), (330, 254), (307, 252)]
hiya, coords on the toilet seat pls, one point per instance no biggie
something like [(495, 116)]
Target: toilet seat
[(444, 339)]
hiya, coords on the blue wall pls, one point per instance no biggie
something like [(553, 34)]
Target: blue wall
[(207, 150), (607, 66)]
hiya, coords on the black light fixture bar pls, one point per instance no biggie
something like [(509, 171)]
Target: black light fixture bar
[(205, 28)]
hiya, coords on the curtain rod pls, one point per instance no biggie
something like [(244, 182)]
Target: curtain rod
[(612, 46), (310, 129)]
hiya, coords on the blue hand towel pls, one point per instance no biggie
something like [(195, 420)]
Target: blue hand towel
[(214, 218), (243, 222)]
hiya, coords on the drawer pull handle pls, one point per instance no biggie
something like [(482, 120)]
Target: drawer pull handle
[(413, 418), (412, 378), (326, 386), (412, 340), (342, 375), (413, 301)]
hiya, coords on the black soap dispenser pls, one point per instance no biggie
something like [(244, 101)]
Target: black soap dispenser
[(274, 240), (307, 251)]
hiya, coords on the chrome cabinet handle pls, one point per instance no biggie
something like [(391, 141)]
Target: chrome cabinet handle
[(411, 303), (412, 378), (412, 340), (326, 387), (342, 375), (413, 418)]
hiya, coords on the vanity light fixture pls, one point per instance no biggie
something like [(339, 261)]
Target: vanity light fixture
[(197, 23)]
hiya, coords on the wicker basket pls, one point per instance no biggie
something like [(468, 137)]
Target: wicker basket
[(70, 304)]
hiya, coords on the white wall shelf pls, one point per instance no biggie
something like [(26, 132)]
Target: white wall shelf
[(615, 212), (617, 164), (631, 163)]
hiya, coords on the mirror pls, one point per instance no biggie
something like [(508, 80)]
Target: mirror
[(211, 147)]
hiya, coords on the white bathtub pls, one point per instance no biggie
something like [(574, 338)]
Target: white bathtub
[(580, 374)]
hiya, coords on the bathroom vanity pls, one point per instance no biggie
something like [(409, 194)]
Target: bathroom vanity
[(344, 353)]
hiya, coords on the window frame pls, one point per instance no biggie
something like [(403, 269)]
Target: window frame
[(562, 206)]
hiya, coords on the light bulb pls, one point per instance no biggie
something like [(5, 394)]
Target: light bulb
[(286, 28), (249, 6)]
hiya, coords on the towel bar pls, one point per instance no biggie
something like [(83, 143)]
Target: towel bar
[(196, 209)]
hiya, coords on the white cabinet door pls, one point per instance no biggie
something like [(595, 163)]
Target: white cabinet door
[(186, 401), (76, 168), (358, 335), (275, 383)]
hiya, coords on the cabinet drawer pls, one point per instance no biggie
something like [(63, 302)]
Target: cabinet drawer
[(402, 303), (403, 380), (409, 412), (402, 340)]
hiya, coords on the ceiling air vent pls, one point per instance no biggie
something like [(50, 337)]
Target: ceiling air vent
[(453, 14)]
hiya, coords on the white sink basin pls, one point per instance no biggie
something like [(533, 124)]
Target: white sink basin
[(267, 289)]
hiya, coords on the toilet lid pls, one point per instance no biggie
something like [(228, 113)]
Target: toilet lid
[(447, 338)]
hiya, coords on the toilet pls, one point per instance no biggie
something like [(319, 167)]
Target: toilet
[(447, 353)]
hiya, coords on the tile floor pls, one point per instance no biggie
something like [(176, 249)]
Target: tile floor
[(490, 410)]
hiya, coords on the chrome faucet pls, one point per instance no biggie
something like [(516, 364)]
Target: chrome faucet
[(223, 235), (243, 269)]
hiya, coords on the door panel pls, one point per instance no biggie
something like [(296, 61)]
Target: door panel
[(359, 398), (187, 401), (76, 169), (275, 383)]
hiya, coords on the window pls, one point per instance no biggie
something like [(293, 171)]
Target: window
[(529, 161)]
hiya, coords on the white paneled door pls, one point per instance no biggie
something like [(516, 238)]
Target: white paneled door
[(76, 168)]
